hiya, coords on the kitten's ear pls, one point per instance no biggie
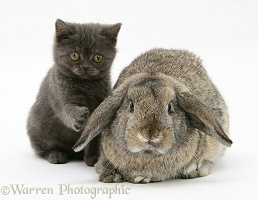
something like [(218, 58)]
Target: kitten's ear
[(62, 30), (112, 31)]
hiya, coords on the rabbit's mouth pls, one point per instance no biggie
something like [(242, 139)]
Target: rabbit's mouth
[(148, 149), (153, 152), (149, 152), (158, 145)]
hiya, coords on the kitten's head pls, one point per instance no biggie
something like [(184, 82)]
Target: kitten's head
[(85, 51)]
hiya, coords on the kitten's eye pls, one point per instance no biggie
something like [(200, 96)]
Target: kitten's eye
[(131, 106), (170, 108), (97, 58), (74, 56)]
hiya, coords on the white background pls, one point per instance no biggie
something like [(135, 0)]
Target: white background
[(224, 33)]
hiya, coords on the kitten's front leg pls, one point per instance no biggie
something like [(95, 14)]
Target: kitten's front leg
[(76, 117)]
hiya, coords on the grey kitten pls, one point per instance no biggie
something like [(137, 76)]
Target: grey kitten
[(77, 83)]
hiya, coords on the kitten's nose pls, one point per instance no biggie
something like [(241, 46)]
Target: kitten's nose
[(85, 67)]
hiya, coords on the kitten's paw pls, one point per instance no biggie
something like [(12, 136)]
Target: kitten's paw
[(91, 160), (80, 117), (56, 157)]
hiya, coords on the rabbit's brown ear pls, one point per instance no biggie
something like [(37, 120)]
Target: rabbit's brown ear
[(202, 118), (104, 113), (101, 117)]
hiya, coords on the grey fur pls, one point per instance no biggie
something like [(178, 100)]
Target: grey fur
[(71, 90), (158, 121)]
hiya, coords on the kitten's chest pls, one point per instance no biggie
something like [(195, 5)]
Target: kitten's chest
[(89, 94), (92, 89)]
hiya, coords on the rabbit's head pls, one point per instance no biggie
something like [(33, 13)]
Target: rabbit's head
[(151, 113)]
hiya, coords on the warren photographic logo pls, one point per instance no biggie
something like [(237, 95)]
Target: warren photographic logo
[(64, 189)]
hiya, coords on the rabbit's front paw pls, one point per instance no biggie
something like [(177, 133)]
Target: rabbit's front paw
[(197, 170), (80, 117), (140, 179), (113, 177)]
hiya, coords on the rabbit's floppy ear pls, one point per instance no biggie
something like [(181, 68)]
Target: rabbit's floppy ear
[(101, 117), (104, 113), (201, 117)]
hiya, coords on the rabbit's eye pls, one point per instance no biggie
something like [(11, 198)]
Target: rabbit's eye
[(170, 108), (131, 106)]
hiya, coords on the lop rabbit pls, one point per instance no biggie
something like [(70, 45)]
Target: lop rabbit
[(165, 119)]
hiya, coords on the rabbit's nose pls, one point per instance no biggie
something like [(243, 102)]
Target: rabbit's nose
[(150, 139), (157, 138), (142, 137)]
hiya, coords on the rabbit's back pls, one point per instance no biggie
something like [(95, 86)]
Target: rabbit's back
[(180, 64)]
